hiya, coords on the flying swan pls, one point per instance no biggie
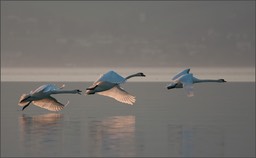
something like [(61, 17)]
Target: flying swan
[(108, 85), (42, 97), (186, 80)]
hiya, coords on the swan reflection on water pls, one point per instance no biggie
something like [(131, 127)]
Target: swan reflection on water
[(39, 130), (110, 136), (29, 123), (113, 136), (196, 140)]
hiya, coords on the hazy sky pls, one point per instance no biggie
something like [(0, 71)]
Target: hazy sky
[(129, 33)]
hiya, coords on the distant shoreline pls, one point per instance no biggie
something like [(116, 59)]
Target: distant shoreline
[(153, 74)]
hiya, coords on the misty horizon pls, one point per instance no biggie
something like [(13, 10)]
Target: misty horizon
[(127, 34)]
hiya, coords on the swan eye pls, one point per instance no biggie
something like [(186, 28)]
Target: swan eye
[(222, 80), (78, 91), (142, 74)]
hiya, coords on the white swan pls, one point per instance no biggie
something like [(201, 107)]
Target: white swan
[(108, 85), (186, 80), (41, 97)]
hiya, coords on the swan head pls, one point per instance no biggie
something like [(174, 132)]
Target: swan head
[(140, 74), (221, 80), (77, 91)]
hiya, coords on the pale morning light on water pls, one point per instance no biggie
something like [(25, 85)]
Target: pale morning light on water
[(153, 74)]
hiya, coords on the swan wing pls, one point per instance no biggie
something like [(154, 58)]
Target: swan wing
[(187, 81), (104, 78), (39, 89), (189, 90), (112, 77), (95, 83), (184, 72), (119, 94), (46, 88), (99, 87), (62, 86), (98, 80), (49, 103)]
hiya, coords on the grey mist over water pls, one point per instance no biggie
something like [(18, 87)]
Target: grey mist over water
[(127, 34)]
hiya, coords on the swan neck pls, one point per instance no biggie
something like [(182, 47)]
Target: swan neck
[(64, 91), (205, 80), (130, 76)]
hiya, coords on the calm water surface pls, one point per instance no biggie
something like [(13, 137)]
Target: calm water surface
[(218, 121)]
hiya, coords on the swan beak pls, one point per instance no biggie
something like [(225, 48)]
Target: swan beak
[(222, 80), (170, 87)]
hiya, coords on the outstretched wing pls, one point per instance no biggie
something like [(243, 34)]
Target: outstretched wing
[(187, 81), (109, 77), (119, 94), (97, 79), (46, 88), (49, 103), (184, 72), (112, 77), (189, 90)]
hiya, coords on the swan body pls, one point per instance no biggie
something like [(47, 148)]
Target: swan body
[(42, 97), (186, 80), (108, 85)]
